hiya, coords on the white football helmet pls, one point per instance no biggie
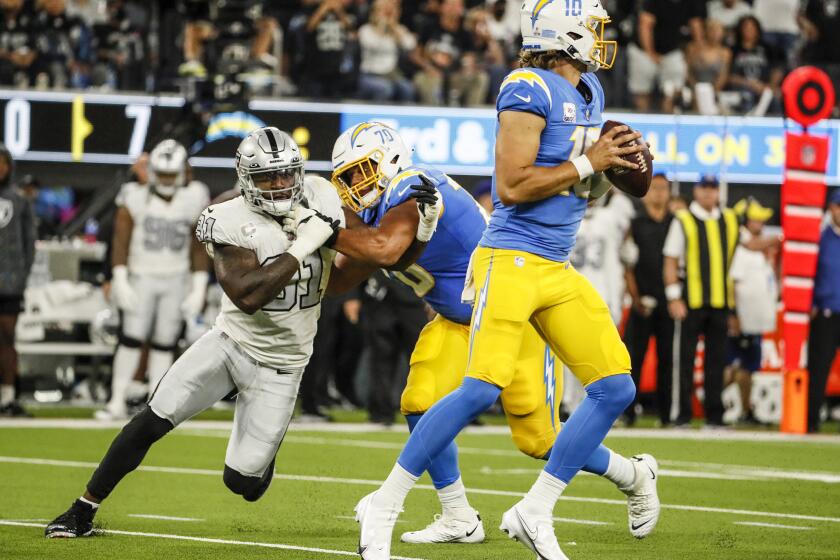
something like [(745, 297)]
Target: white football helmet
[(377, 152), (167, 158), (575, 27), (270, 171)]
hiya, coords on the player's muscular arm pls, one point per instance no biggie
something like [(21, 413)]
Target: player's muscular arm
[(248, 285), (518, 180), (123, 224), (199, 260), (392, 245), (348, 273)]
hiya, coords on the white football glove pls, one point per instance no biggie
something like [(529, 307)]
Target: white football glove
[(312, 230), (194, 302), (430, 207), (123, 294)]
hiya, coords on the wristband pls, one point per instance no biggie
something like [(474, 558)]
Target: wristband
[(120, 273), (583, 166), (299, 251), (673, 292)]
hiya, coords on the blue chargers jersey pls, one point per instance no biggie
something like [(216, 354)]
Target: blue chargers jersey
[(547, 227), (438, 275)]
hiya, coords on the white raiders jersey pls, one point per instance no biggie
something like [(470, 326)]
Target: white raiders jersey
[(160, 239), (280, 334), (597, 251)]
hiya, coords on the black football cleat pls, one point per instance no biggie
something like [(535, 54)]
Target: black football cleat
[(265, 482), (75, 522), (14, 410)]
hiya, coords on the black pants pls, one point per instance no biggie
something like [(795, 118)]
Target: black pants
[(391, 331), (335, 354), (823, 342), (637, 338), (712, 324)]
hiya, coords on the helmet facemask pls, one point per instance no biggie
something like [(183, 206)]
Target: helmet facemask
[(368, 188), (275, 191), (603, 52)]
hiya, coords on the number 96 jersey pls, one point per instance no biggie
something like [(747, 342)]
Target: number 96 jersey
[(438, 275), (160, 238), (280, 334)]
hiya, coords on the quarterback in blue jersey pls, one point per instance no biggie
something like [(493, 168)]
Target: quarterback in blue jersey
[(375, 178), (550, 156)]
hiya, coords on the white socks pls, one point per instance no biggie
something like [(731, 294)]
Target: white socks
[(543, 495), (620, 471), (397, 486), (125, 364), (7, 394), (453, 499), (159, 362)]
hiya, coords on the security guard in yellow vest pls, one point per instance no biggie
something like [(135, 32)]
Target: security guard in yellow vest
[(701, 242)]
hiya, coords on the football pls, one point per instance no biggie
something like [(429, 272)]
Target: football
[(634, 182)]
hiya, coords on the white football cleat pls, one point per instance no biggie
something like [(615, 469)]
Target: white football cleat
[(111, 413), (642, 499), (449, 529), (534, 531), (376, 524)]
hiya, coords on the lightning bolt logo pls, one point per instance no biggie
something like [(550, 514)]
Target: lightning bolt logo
[(528, 77), (550, 380), (358, 130), (480, 306), (538, 7)]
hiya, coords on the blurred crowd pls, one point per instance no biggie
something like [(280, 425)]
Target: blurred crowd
[(718, 56)]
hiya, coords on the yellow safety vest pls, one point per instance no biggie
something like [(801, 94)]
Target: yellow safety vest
[(709, 247)]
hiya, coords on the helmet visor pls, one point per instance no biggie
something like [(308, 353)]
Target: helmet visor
[(603, 52)]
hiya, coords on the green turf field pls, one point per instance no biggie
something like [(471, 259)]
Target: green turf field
[(723, 499)]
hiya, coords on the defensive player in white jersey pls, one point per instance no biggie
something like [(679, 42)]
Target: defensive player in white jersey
[(159, 269), (597, 253), (272, 281)]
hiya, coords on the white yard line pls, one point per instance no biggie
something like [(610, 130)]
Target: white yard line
[(211, 540), (580, 521), (163, 517), (353, 518), (773, 525), (368, 482), (334, 427)]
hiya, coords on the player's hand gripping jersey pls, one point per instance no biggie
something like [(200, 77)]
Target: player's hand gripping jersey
[(438, 275), (160, 239), (281, 333), (548, 227)]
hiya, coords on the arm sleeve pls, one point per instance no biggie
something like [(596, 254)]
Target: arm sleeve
[(525, 91)]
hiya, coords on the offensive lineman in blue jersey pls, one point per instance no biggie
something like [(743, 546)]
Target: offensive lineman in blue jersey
[(550, 156), (375, 178)]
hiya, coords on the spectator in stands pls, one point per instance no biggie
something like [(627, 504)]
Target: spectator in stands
[(443, 44), (218, 33), (17, 39), (820, 24), (657, 57), (756, 299), (118, 51), (91, 12), (708, 62), (756, 70), (17, 252), (728, 13), (491, 56), (382, 40), (64, 47), (824, 337), (778, 19), (392, 317), (328, 30), (649, 310)]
